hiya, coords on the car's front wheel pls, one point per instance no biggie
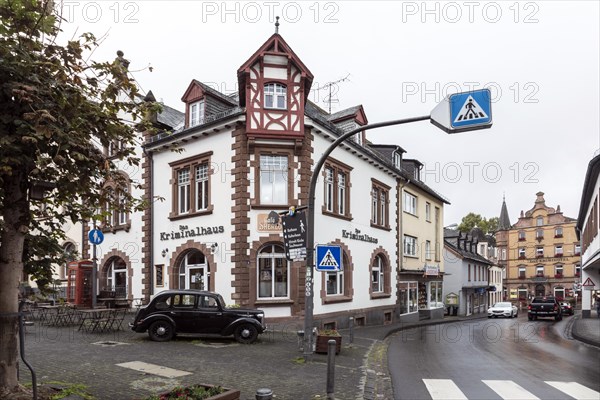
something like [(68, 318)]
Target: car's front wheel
[(245, 333), (161, 331)]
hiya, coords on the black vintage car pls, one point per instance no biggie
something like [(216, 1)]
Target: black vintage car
[(196, 312)]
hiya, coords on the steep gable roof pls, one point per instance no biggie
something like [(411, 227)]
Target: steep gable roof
[(277, 46)]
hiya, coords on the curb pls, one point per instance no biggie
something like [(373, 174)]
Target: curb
[(576, 335)]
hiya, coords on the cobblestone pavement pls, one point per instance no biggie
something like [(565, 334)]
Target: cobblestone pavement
[(274, 361)]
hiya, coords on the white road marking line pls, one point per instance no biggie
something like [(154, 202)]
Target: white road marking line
[(509, 390), (154, 369), (443, 389), (575, 390)]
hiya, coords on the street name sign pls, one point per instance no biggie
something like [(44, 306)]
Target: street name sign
[(96, 236), (466, 111), (329, 258), (294, 236)]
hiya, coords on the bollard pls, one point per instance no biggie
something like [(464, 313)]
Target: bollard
[(351, 329), (264, 394), (300, 340), (331, 347)]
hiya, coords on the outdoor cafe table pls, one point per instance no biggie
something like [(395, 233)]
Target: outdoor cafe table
[(46, 313), (92, 315)]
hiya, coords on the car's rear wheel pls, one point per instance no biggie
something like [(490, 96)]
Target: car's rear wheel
[(529, 317), (558, 318), (512, 315), (517, 314), (161, 331), (245, 333)]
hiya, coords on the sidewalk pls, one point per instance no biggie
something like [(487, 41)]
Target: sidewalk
[(274, 361)]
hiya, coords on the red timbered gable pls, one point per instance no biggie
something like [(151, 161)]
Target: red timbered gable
[(273, 86)]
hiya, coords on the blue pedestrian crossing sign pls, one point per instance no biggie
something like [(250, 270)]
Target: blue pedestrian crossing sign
[(329, 258), (96, 236), (464, 111)]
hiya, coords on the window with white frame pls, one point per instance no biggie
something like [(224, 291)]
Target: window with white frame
[(522, 271), (521, 252), (558, 231), (410, 246), (522, 293), (559, 292), (273, 272), (274, 179), (539, 234), (558, 270), (379, 204), (558, 251), (202, 202), (329, 193), (407, 297), (377, 275), (275, 96), (183, 190), (196, 113), (397, 160), (428, 251), (539, 270), (337, 189), (577, 270), (503, 254), (539, 221), (521, 235), (435, 295), (335, 283), (410, 203), (539, 251), (341, 193), (577, 249), (427, 211), (191, 186)]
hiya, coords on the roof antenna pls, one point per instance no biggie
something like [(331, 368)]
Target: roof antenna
[(332, 97), (277, 25)]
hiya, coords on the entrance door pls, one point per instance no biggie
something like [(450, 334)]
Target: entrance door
[(540, 291), (196, 278)]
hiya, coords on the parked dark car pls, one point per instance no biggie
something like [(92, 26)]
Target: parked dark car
[(544, 306), (567, 308), (196, 312)]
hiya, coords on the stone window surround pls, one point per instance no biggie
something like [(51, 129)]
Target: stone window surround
[(387, 275), (118, 227), (264, 150), (177, 257), (105, 262), (381, 188), (337, 167), (348, 266), (191, 163)]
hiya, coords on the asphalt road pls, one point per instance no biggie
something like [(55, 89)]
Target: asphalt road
[(493, 359)]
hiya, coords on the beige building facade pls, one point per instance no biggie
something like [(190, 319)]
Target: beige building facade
[(541, 253)]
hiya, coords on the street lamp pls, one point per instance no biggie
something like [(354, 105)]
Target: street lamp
[(459, 112)]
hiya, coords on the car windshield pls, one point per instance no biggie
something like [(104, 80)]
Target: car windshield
[(502, 305)]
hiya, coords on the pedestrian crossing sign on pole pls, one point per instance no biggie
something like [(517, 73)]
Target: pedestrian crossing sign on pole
[(329, 258), (466, 111)]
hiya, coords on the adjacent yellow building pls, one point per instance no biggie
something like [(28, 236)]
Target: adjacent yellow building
[(541, 253)]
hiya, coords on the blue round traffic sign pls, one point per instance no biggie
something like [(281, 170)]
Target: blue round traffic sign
[(96, 236)]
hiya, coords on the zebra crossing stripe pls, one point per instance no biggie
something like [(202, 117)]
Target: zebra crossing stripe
[(509, 390), (575, 390), (444, 389)]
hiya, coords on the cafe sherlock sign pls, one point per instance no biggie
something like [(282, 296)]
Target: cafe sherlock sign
[(185, 232)]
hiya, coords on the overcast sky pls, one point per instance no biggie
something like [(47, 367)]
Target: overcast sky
[(539, 58)]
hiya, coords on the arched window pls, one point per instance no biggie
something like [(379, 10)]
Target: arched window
[(194, 271), (275, 96), (377, 275), (273, 272), (116, 277)]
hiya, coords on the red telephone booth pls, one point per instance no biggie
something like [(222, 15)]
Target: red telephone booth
[(79, 283)]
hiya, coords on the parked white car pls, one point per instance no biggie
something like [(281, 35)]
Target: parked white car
[(503, 309)]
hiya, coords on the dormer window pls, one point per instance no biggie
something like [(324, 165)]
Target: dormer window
[(358, 138), (275, 95), (196, 113), (397, 160)]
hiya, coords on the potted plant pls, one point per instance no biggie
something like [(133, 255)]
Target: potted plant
[(324, 336), (198, 392)]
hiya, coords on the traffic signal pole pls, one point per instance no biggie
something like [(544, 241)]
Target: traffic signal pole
[(310, 234)]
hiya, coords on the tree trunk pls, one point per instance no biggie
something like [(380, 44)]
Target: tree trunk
[(15, 214)]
